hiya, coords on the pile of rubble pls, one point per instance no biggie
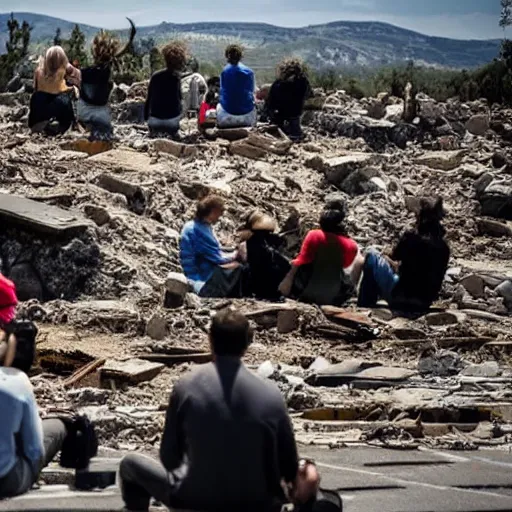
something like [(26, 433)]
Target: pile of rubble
[(92, 243)]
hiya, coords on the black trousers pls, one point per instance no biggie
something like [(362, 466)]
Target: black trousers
[(22, 476)]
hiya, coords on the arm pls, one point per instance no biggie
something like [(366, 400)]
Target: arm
[(287, 451), (209, 248), (147, 105), (172, 448), (285, 288), (36, 77), (73, 75), (31, 430)]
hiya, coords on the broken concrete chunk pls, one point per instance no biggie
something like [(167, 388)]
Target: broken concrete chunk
[(348, 367), (441, 160), (388, 373), (156, 328), (176, 149), (478, 124), (132, 371), (114, 315), (39, 217), (287, 321), (126, 160), (319, 364), (441, 363), (496, 199), (176, 288), (488, 369), (474, 285), (246, 150), (505, 291), (337, 169), (271, 144), (444, 318), (117, 185), (493, 228), (98, 214)]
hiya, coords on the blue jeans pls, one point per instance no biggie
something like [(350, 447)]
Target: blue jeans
[(379, 280)]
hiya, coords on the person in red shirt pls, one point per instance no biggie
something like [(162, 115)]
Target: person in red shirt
[(8, 302), (329, 264)]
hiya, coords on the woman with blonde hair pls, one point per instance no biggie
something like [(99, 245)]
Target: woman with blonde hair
[(53, 98)]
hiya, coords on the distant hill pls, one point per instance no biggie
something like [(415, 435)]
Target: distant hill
[(341, 43)]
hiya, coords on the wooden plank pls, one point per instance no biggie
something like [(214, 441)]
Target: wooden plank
[(39, 216), (83, 372), (172, 359), (133, 370), (446, 342)]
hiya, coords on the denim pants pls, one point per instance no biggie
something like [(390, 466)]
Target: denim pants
[(227, 120), (170, 126), (22, 476), (379, 280)]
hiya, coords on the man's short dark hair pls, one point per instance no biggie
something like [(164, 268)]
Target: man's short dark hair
[(208, 205), (234, 53), (230, 333), (331, 221)]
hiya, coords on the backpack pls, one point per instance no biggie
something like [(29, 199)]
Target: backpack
[(80, 444)]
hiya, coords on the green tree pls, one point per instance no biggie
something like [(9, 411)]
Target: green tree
[(156, 60), (75, 47), (506, 15)]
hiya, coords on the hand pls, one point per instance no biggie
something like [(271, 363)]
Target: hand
[(231, 266), (285, 288), (306, 484)]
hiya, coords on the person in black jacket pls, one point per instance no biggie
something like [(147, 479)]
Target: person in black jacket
[(163, 107), (412, 277), (286, 98), (96, 86)]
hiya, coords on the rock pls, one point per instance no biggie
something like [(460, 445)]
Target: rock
[(119, 93), (376, 109), (10, 99), (488, 369), (442, 363), (499, 160), (474, 285), (133, 192), (131, 112), (156, 328), (113, 315), (242, 148), (441, 160), (505, 291), (232, 134), (482, 183), (132, 371), (176, 149), (493, 228), (193, 301), (89, 147), (319, 364), (363, 181), (266, 370), (337, 169), (126, 160), (138, 90), (444, 318), (195, 190), (388, 373), (410, 103), (478, 124), (496, 200), (176, 288), (317, 101), (287, 321), (429, 109), (348, 367), (394, 113), (14, 84), (98, 214)]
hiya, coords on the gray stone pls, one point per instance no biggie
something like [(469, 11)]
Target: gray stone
[(132, 371), (388, 373), (176, 149), (266, 370), (474, 285), (337, 169), (98, 214), (494, 228), (376, 109), (441, 160), (131, 112), (496, 199), (363, 181), (483, 182), (488, 369), (444, 318), (319, 364), (478, 124), (156, 328), (348, 367), (176, 288), (440, 364), (505, 291), (287, 321)]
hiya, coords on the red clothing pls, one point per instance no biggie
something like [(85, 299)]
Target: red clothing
[(316, 239), (8, 300), (202, 112)]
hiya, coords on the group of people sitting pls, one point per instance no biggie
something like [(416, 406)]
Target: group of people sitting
[(245, 460), (227, 101), (330, 267)]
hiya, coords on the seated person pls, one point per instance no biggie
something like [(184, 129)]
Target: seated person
[(93, 106), (208, 111), (236, 106), (28, 444), (228, 441), (163, 109), (193, 87), (211, 271), (52, 99), (285, 102), (266, 266), (329, 264), (8, 302), (411, 279)]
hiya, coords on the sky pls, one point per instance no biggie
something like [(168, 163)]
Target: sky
[(461, 19)]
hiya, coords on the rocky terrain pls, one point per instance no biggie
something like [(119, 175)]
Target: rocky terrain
[(341, 43), (92, 243)]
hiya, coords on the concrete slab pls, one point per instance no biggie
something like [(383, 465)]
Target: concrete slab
[(39, 216)]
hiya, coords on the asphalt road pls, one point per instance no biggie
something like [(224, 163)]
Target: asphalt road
[(368, 479)]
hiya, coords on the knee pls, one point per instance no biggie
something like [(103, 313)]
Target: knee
[(128, 465)]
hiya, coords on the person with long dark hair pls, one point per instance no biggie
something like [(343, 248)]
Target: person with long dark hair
[(287, 96), (329, 264), (412, 277)]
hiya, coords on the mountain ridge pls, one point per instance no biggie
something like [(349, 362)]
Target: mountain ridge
[(337, 43)]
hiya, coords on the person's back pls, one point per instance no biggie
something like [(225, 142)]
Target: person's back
[(96, 85), (237, 89), (244, 417), (287, 97), (164, 95), (16, 396), (423, 263)]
